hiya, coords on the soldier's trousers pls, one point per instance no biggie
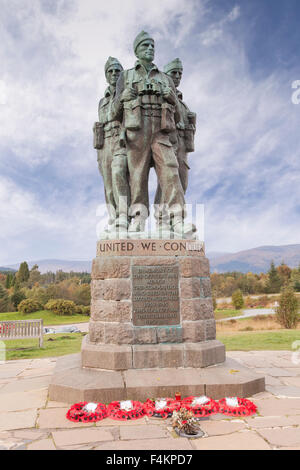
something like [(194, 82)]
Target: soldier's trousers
[(183, 168), (143, 145), (112, 163)]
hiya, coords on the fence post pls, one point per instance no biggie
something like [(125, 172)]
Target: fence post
[(41, 334)]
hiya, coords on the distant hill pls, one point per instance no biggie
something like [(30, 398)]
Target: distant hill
[(56, 264), (256, 260), (6, 269), (216, 254)]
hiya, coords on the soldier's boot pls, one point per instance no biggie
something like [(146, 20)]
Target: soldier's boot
[(137, 224), (162, 218), (122, 222), (183, 230)]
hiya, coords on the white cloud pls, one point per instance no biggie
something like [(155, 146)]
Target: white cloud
[(3, 92), (65, 230), (215, 31)]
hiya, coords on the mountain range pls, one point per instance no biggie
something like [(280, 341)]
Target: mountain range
[(56, 264), (256, 260)]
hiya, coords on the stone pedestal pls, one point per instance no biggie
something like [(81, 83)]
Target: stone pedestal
[(151, 310)]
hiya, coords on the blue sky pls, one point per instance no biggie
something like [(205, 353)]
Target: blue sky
[(240, 60)]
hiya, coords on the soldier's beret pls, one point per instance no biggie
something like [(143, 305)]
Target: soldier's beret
[(140, 38), (110, 61), (174, 64)]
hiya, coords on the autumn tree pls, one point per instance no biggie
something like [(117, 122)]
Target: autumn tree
[(295, 279), (34, 275), (9, 280), (274, 282), (237, 299), (4, 299), (287, 313), (284, 273), (23, 273)]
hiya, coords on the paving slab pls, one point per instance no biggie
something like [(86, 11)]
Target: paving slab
[(261, 396), (113, 422), (285, 391), (284, 362), (257, 362), (277, 372), (23, 400), (18, 420), (218, 428), (288, 448), (42, 362), (273, 421), (80, 447), (55, 418), (43, 444), (10, 444), (24, 385), (37, 372), (282, 437), (57, 404), (30, 434), (294, 381), (279, 406), (273, 380), (149, 431), (10, 373), (295, 370), (237, 441), (81, 436), (148, 444)]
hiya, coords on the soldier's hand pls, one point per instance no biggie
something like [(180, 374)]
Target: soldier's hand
[(129, 94), (169, 95)]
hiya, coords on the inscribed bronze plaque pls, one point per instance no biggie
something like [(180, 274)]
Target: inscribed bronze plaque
[(155, 295)]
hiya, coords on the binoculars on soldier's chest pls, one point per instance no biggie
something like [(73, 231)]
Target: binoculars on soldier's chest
[(149, 87)]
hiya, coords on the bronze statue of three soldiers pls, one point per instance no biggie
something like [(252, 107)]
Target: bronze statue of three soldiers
[(143, 122)]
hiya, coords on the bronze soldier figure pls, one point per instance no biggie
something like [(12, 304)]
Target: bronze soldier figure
[(185, 128), (149, 103), (182, 138), (112, 159)]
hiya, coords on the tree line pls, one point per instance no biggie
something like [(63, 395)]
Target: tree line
[(225, 284), (26, 283)]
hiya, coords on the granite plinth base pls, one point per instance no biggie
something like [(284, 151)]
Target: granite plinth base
[(73, 383), (150, 356)]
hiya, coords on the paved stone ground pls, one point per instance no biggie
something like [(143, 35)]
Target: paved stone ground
[(28, 420)]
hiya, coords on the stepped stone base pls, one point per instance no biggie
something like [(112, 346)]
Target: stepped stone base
[(72, 383), (150, 356)]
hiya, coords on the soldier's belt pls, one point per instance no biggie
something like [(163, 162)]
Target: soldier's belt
[(151, 112), (112, 133), (112, 125)]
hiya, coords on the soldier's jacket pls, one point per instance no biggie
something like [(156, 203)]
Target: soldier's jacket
[(138, 78), (185, 129), (106, 112), (183, 111)]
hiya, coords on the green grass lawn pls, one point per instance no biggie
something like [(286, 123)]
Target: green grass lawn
[(273, 340), (220, 314), (54, 345), (48, 317)]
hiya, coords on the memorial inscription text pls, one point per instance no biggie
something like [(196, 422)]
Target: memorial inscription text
[(155, 295)]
